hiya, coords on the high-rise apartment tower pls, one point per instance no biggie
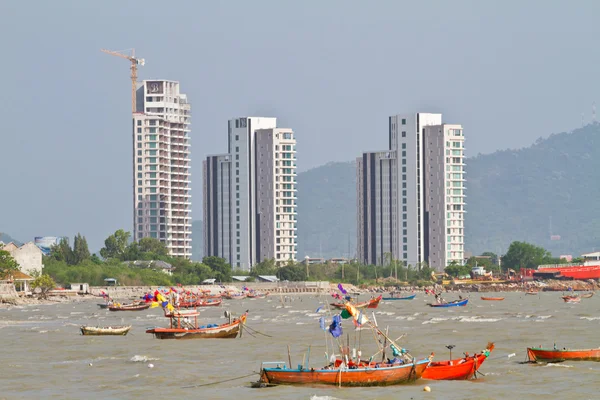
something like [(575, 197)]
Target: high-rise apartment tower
[(409, 205), (161, 166), (262, 195)]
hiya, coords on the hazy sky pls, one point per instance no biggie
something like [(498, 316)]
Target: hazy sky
[(509, 71)]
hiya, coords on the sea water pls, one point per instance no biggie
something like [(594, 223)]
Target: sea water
[(45, 356)]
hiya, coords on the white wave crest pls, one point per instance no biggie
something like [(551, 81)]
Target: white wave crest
[(315, 397), (590, 318), (558, 365), (478, 319), (138, 358)]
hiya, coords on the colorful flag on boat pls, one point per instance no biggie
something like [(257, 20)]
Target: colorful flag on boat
[(342, 288), (336, 326), (322, 323)]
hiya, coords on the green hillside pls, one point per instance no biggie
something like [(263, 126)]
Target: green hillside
[(531, 193), (4, 238), (327, 211)]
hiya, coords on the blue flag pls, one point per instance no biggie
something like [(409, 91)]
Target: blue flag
[(322, 323), (336, 326)]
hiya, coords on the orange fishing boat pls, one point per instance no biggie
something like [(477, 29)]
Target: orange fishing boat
[(371, 374), (492, 298), (184, 325), (457, 369), (535, 354), (373, 303), (349, 369), (571, 299)]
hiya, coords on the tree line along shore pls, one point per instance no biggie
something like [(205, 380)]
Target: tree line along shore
[(132, 264)]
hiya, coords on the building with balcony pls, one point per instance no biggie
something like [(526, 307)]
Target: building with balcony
[(411, 197), (262, 195), (161, 181)]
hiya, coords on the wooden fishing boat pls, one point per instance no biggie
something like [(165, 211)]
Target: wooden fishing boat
[(105, 330), (397, 296), (457, 369), (492, 298), (129, 307), (234, 296), (587, 295), (368, 375), (373, 303), (455, 303), (257, 295), (571, 299), (209, 302), (184, 325), (532, 292), (535, 354)]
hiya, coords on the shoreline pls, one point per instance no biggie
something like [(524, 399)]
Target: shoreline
[(302, 289)]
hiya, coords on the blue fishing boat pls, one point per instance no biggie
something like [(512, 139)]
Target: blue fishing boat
[(394, 296), (456, 303)]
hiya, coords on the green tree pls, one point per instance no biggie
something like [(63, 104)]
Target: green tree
[(115, 245), (493, 256), (456, 270), (525, 255), (153, 246), (265, 267), (291, 272), (81, 252), (45, 283), (220, 268), (7, 263), (62, 251)]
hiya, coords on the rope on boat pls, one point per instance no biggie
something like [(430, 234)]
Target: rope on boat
[(223, 381), (255, 331)]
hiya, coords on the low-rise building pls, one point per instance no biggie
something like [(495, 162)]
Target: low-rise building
[(28, 256)]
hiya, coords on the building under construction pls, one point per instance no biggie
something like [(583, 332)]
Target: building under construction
[(161, 161)]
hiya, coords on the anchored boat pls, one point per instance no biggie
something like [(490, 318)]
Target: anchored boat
[(184, 325), (373, 303), (105, 330), (457, 369), (398, 296), (455, 303), (554, 355)]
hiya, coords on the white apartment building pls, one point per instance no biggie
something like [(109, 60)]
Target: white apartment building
[(161, 181), (217, 212), (445, 194), (263, 194), (276, 232), (411, 205)]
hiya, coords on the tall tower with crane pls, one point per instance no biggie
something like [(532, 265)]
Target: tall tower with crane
[(134, 66), (161, 161)]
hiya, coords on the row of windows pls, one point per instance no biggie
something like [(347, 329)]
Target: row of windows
[(151, 122)]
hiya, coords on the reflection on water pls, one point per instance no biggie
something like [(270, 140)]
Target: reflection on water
[(44, 354)]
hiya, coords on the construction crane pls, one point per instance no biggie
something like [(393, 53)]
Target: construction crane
[(134, 64)]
